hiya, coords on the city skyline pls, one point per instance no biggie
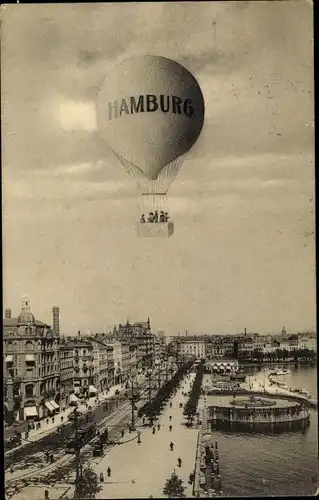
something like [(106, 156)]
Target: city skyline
[(243, 253), (47, 317)]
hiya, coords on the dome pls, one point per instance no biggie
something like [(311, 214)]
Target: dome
[(26, 317)]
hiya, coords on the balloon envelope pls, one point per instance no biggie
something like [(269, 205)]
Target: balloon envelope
[(150, 111)]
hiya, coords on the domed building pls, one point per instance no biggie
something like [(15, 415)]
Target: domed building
[(31, 365)]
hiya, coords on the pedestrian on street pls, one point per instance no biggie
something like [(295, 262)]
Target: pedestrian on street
[(108, 471), (143, 420), (47, 420), (101, 477), (122, 432), (158, 426), (153, 430), (52, 420), (170, 405), (61, 418), (170, 428), (171, 445), (170, 417), (179, 462)]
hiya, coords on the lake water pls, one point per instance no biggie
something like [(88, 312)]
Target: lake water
[(272, 464)]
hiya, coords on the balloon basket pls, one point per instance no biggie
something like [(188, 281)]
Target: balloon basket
[(155, 229)]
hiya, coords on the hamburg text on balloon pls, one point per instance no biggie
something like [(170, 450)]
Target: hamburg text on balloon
[(150, 103)]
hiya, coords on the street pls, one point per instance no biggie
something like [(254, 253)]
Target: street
[(142, 470)]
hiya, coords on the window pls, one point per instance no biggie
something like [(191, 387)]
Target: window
[(28, 346), (10, 346), (29, 391)]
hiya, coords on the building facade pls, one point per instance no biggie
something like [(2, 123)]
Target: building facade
[(32, 362), (83, 366), (66, 373), (110, 366)]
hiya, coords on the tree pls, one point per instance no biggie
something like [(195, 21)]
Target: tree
[(174, 487), (87, 485)]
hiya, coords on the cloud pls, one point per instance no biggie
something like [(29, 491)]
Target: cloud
[(75, 115), (233, 52)]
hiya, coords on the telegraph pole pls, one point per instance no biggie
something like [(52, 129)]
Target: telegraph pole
[(132, 405), (159, 377), (77, 448), (167, 372), (149, 389)]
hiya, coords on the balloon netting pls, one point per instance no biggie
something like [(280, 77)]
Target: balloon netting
[(147, 186)]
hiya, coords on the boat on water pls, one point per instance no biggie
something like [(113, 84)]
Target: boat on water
[(304, 392), (283, 386), (279, 371)]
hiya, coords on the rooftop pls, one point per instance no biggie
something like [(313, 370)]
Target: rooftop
[(15, 322)]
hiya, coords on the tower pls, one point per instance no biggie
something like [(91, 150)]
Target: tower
[(56, 320), (7, 313)]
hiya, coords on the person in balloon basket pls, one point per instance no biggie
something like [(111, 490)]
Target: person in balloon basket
[(150, 217), (156, 216), (142, 219), (162, 216)]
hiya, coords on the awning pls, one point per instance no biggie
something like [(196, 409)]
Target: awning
[(29, 358), (30, 411), (92, 389), (49, 406), (73, 398), (9, 358), (55, 405)]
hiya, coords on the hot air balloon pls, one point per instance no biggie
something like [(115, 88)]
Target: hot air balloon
[(150, 112)]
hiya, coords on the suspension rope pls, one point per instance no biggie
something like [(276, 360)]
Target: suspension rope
[(161, 184)]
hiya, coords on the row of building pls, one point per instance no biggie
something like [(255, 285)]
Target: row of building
[(42, 369), (241, 346)]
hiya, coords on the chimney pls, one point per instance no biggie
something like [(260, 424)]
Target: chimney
[(245, 331), (79, 334), (7, 313), (56, 320)]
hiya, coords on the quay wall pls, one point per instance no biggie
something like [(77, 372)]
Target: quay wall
[(254, 418)]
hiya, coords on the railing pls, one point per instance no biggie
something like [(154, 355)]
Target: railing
[(259, 415)]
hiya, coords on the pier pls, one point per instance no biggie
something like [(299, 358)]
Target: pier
[(255, 413), (207, 481)]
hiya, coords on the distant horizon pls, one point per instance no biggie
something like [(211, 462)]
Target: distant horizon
[(157, 330)]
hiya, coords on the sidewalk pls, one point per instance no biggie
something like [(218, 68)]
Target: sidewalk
[(139, 471), (46, 429)]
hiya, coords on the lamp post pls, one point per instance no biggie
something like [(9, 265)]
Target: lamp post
[(149, 375), (132, 405), (77, 449)]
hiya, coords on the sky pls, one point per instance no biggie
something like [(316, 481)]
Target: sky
[(243, 252)]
